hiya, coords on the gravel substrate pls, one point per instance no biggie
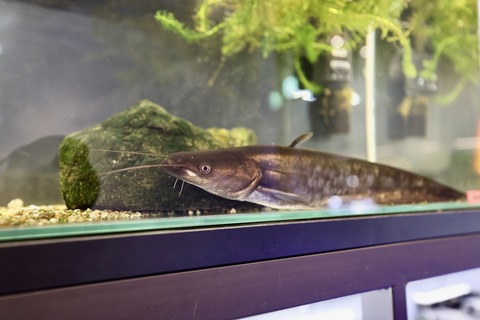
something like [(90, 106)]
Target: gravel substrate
[(16, 214)]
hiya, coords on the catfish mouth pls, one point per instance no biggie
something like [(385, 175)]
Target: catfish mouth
[(177, 170)]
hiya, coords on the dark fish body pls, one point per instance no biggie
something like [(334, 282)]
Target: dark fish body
[(290, 178)]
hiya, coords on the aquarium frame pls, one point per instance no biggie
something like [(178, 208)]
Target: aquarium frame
[(218, 265)]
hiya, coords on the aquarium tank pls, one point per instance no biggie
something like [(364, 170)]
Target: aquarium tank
[(146, 115)]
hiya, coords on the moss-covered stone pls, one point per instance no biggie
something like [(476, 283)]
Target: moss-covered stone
[(236, 137), (78, 179), (139, 136)]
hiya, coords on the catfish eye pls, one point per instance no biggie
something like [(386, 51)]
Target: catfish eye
[(205, 168)]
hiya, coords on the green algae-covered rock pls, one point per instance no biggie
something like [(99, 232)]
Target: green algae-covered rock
[(236, 137), (140, 136)]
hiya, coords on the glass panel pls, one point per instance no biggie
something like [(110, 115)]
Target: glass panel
[(151, 223), (388, 89)]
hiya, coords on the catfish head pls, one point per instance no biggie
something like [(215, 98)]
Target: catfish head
[(227, 173)]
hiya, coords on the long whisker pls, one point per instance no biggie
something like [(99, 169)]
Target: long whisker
[(130, 152), (175, 184), (181, 188), (134, 168)]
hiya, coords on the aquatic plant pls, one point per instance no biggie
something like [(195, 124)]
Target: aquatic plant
[(292, 25), (448, 29), (302, 26)]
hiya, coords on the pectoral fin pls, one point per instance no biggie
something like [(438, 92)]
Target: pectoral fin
[(290, 198)]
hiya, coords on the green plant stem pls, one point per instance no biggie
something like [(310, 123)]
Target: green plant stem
[(315, 88)]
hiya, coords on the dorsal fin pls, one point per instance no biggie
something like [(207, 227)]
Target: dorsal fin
[(301, 138)]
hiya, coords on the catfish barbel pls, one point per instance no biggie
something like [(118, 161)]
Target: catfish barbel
[(285, 177)]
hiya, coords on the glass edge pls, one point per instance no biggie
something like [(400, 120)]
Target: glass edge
[(175, 223)]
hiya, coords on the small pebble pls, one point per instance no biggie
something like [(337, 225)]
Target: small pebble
[(15, 214), (15, 204)]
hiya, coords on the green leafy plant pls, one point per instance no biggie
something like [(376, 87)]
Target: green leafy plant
[(300, 26), (449, 30)]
